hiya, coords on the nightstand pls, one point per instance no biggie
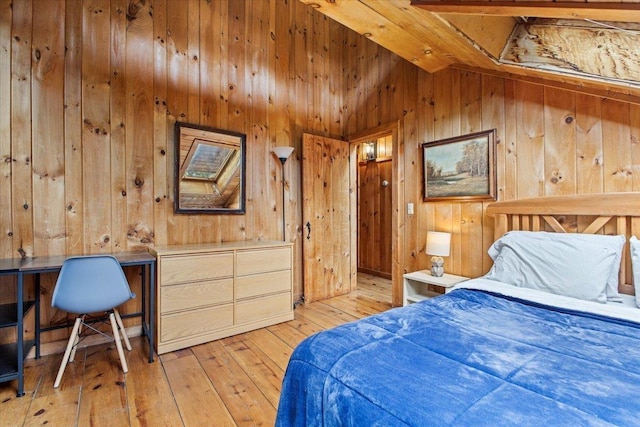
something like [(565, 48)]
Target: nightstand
[(419, 285)]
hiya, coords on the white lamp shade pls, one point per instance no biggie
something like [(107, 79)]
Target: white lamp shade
[(438, 243), (283, 152)]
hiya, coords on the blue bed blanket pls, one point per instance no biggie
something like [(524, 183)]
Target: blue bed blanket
[(468, 358)]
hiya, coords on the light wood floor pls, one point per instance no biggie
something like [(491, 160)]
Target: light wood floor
[(230, 382)]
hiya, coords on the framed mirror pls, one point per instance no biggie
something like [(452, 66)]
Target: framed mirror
[(209, 170)]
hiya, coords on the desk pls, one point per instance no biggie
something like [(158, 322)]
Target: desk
[(48, 264)]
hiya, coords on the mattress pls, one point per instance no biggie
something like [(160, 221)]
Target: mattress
[(478, 355)]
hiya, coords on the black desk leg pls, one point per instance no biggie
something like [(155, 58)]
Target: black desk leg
[(148, 304), (37, 316), (143, 305), (20, 340), (152, 306)]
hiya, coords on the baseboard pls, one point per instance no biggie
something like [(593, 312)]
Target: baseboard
[(382, 274)]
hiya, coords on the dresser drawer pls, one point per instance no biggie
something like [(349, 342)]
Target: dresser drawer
[(262, 308), (262, 260), (264, 283), (189, 268), (193, 295), (195, 322)]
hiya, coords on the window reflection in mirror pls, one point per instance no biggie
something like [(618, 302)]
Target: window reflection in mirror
[(209, 170)]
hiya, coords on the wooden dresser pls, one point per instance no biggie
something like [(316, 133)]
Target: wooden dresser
[(211, 291)]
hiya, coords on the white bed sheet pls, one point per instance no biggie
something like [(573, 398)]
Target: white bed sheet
[(626, 310)]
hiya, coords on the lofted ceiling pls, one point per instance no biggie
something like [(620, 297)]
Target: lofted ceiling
[(590, 45)]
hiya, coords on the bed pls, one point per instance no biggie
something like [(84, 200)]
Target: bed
[(510, 348)]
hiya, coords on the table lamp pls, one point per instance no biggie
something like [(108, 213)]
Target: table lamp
[(438, 245)]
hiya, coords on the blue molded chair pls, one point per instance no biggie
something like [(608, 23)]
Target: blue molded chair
[(91, 284)]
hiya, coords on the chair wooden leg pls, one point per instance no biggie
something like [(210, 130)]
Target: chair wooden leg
[(76, 341), (116, 336), (124, 333), (67, 352)]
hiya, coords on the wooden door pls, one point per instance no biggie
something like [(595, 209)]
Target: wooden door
[(328, 234)]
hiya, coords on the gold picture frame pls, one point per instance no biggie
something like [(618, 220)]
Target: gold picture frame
[(460, 168)]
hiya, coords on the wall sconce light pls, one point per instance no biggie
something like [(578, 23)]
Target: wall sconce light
[(283, 153), (438, 245), (370, 151)]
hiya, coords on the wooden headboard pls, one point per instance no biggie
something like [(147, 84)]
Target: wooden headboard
[(606, 213)]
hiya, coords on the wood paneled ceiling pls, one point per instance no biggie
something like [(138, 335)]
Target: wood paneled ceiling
[(585, 45)]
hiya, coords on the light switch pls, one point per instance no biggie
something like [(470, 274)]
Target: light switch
[(409, 208)]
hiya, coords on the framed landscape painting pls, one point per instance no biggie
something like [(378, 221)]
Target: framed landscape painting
[(460, 168)]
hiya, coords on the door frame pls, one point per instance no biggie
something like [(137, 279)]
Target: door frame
[(395, 128)]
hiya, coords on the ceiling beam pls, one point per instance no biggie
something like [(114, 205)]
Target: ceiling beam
[(376, 27), (420, 37), (435, 30), (601, 11)]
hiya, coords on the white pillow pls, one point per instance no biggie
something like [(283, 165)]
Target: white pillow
[(571, 264), (635, 265)]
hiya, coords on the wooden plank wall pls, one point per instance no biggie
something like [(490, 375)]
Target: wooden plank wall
[(89, 93), (551, 141), (90, 89)]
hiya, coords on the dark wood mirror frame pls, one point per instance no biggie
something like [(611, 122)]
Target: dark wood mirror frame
[(209, 170)]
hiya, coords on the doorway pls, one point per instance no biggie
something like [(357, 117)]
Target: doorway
[(330, 213), (376, 154), (374, 207)]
